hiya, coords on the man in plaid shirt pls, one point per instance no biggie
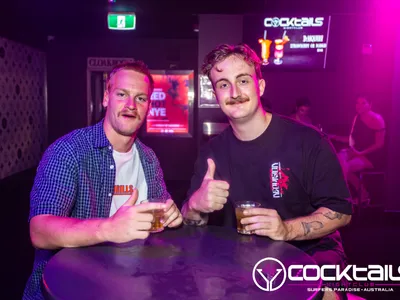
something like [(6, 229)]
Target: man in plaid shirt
[(90, 183)]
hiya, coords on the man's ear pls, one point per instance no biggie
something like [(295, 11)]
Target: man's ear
[(261, 86), (105, 98)]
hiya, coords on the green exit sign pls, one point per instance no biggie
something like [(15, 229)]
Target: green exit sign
[(119, 21)]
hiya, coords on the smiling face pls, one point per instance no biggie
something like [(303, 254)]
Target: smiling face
[(127, 100), (237, 88)]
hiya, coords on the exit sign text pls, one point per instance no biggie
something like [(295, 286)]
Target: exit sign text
[(119, 21)]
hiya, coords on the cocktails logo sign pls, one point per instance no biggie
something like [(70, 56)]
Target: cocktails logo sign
[(270, 274), (293, 41), (294, 22)]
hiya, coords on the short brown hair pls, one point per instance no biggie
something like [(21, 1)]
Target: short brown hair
[(223, 51), (137, 66)]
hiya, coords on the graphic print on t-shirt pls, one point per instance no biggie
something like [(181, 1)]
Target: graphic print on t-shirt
[(129, 175), (279, 180), (123, 190)]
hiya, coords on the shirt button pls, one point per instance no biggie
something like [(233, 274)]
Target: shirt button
[(109, 195), (109, 147), (112, 167)]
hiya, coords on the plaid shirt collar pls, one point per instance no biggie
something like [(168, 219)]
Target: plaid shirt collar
[(100, 141)]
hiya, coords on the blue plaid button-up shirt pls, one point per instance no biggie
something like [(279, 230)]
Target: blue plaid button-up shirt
[(75, 178)]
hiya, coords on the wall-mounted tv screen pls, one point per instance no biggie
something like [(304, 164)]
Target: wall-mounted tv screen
[(171, 103), (288, 42)]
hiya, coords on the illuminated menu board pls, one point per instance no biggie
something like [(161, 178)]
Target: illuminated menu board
[(289, 42)]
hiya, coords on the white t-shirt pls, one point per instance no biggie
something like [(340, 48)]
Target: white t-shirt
[(129, 175)]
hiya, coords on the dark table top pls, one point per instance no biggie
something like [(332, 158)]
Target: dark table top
[(185, 263)]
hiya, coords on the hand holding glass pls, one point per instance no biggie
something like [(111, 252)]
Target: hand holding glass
[(158, 215), (239, 209)]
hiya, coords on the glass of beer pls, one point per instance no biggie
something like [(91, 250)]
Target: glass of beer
[(158, 215), (239, 208)]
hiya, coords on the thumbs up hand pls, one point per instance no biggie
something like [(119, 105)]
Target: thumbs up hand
[(131, 221), (211, 169), (132, 199), (212, 194)]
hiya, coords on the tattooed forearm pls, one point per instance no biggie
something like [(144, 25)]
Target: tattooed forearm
[(331, 215), (314, 225), (320, 223)]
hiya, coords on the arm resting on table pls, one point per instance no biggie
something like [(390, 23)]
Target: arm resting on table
[(320, 223), (53, 232)]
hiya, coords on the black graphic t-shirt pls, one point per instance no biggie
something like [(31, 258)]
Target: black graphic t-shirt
[(291, 168)]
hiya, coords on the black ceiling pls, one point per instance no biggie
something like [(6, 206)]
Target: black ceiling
[(46, 7), (35, 20)]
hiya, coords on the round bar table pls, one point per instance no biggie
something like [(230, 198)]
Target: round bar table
[(186, 263)]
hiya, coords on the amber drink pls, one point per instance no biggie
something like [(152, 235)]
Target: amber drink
[(158, 215), (239, 209)]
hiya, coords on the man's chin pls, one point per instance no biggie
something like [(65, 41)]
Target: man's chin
[(237, 112), (239, 118), (128, 132)]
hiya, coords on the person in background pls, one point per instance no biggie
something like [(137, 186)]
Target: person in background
[(90, 183), (290, 168), (366, 141), (302, 111)]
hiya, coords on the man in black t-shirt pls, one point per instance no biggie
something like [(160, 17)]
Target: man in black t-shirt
[(290, 168)]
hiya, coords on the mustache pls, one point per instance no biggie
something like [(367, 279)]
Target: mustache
[(239, 99), (130, 113)]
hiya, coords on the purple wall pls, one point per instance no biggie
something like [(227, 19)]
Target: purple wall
[(23, 115)]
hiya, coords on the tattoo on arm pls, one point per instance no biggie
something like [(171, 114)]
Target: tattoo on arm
[(314, 225), (333, 215), (330, 215)]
